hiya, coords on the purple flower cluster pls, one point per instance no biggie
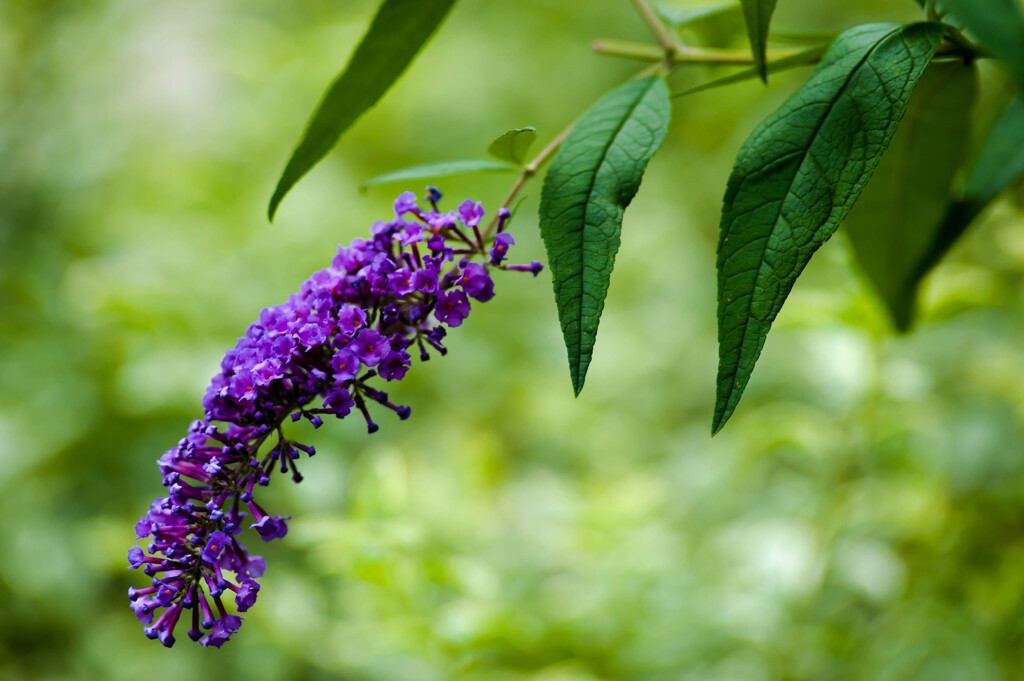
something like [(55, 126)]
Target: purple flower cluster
[(311, 356)]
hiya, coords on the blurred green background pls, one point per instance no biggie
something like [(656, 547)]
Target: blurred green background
[(861, 517)]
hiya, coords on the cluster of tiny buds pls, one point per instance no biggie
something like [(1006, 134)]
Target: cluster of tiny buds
[(318, 354)]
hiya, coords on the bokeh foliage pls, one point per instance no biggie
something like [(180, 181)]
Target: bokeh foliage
[(861, 519)]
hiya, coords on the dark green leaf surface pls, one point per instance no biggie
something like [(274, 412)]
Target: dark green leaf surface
[(758, 15), (899, 213), (796, 178), (514, 145), (592, 179), (426, 171), (996, 23), (681, 16), (398, 31), (1000, 163)]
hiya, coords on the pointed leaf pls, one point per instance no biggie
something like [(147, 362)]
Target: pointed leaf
[(514, 145), (796, 178), (900, 211), (426, 171), (1000, 163), (398, 31), (681, 16), (592, 179), (996, 23), (758, 15)]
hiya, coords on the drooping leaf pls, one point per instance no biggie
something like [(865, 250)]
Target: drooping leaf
[(514, 145), (796, 178), (998, 24), (398, 32), (592, 179), (758, 15), (803, 58), (681, 16), (900, 211), (1000, 163), (426, 171)]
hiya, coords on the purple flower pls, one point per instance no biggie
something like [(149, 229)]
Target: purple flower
[(394, 366), (222, 630), (452, 308), (366, 310), (246, 596), (413, 233), (477, 283), (370, 347), (136, 557), (351, 318), (400, 282), (243, 386), (215, 545), (425, 280), (143, 609), (471, 212), (271, 528), (499, 251), (439, 221), (266, 371), (312, 334), (254, 567), (405, 203), (345, 365)]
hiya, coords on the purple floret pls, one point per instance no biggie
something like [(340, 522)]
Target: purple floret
[(452, 308)]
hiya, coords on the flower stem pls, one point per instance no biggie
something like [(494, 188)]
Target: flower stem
[(528, 171)]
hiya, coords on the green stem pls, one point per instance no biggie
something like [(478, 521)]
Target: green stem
[(681, 55), (668, 40)]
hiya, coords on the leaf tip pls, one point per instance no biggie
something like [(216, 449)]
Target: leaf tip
[(275, 201), (718, 423), (577, 382)]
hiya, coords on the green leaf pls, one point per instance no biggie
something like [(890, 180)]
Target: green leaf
[(1000, 163), (682, 16), (996, 23), (592, 179), (398, 31), (426, 171), (514, 145), (803, 58), (796, 178), (758, 15), (900, 211)]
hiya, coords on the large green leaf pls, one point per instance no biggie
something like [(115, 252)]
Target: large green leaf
[(1000, 163), (758, 15), (797, 177), (998, 24), (592, 179), (398, 31), (514, 145), (900, 211), (425, 171)]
